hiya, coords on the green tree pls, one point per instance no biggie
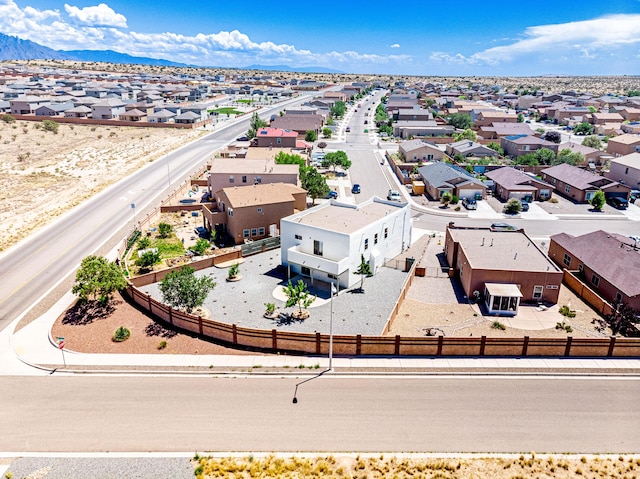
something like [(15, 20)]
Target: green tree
[(570, 157), (583, 128), (513, 206), (545, 156), (467, 134), (148, 259), (446, 198), (7, 118), (598, 200), (338, 109), (336, 158), (520, 118), (99, 278), (326, 132), (592, 142), (164, 230), (50, 125), (553, 136), (298, 295), (496, 147), (255, 124), (310, 136), (330, 121), (283, 158), (201, 246), (183, 289), (528, 159), (624, 321), (461, 121), (364, 269), (592, 109), (315, 183)]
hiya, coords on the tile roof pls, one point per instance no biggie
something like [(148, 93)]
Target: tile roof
[(610, 256)]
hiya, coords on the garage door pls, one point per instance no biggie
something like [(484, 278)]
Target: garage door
[(470, 193)]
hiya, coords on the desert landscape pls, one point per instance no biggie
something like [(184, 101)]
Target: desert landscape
[(46, 172)]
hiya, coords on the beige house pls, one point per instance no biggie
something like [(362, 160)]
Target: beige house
[(626, 170), (623, 144), (254, 212), (420, 151)]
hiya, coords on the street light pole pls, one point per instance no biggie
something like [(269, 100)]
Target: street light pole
[(333, 289), (168, 169)]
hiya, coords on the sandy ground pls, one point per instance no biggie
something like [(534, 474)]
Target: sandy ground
[(44, 174)]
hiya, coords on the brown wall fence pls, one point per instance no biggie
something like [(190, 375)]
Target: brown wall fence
[(592, 298), (358, 345), (91, 121)]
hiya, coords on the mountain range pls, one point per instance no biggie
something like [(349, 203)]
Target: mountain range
[(14, 48)]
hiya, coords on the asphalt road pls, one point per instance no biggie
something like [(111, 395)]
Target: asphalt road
[(356, 414)]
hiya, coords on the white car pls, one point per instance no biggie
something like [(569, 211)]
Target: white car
[(394, 195)]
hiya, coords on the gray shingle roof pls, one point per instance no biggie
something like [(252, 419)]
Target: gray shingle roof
[(444, 174)]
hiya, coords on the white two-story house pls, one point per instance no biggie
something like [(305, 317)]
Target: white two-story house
[(325, 242)]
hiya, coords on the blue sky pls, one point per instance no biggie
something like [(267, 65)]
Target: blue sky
[(591, 37)]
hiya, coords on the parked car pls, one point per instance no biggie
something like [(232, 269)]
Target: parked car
[(332, 195), (355, 189), (201, 231), (525, 205), (394, 195), (347, 129), (366, 121), (502, 227), (618, 202), (242, 138), (470, 203), (635, 194)]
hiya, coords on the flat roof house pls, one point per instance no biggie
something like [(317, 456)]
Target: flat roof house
[(325, 242), (623, 144), (580, 185), (502, 267), (607, 263)]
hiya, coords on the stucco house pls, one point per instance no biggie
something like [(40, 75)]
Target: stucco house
[(468, 148), (326, 242), (420, 150), (254, 212), (626, 169), (580, 185), (107, 109), (230, 172), (519, 145), (606, 262), (440, 178), (276, 137), (501, 267), (511, 183), (623, 144)]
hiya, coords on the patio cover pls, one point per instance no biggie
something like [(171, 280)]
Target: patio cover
[(503, 289)]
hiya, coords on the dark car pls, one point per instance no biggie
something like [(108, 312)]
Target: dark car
[(470, 203), (242, 138), (347, 129), (525, 205), (201, 231), (618, 202), (355, 189), (635, 194), (332, 195)]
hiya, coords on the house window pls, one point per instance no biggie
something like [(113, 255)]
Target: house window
[(626, 171), (317, 247), (553, 181), (259, 210), (581, 268), (567, 188), (305, 271), (589, 195), (332, 276), (231, 180), (254, 231), (567, 260), (386, 233), (298, 237), (245, 233), (537, 292), (375, 238), (278, 140), (230, 211), (366, 244), (618, 297), (261, 231), (258, 180), (429, 157), (244, 178), (595, 280)]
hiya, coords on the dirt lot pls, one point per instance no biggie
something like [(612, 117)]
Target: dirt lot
[(44, 173)]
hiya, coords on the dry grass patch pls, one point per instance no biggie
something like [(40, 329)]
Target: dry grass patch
[(526, 466)]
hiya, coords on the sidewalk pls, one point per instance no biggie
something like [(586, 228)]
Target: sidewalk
[(31, 352)]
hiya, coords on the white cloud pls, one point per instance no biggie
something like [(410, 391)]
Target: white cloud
[(99, 15), (395, 45), (586, 40)]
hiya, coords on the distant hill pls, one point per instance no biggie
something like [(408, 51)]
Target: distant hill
[(109, 56), (286, 68), (14, 48)]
